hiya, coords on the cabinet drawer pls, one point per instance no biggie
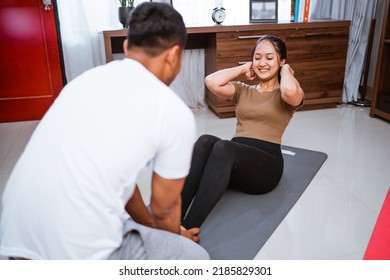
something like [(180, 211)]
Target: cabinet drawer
[(241, 44), (317, 76), (317, 43)]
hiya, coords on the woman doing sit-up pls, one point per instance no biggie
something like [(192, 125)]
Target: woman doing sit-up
[(252, 160)]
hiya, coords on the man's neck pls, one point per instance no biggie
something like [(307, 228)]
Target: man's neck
[(153, 64)]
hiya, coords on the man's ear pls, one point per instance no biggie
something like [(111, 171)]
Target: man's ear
[(125, 45), (173, 54), (172, 61)]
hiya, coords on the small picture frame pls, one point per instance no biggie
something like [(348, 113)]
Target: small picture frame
[(263, 11)]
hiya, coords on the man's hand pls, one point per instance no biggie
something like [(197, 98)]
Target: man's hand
[(192, 233)]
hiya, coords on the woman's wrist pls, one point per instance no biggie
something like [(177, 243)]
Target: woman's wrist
[(247, 70), (286, 68)]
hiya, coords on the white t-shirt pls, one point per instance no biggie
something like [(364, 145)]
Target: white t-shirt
[(65, 198)]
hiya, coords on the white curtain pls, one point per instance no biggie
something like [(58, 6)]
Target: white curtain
[(189, 83), (81, 24), (361, 13)]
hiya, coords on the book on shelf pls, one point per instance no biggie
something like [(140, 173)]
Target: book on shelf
[(296, 10), (292, 10), (304, 10), (301, 9)]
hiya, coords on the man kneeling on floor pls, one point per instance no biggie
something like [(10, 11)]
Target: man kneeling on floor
[(66, 196)]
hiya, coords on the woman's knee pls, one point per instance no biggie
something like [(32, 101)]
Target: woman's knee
[(207, 139), (205, 143), (223, 147)]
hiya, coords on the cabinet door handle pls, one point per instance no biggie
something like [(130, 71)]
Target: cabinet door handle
[(317, 34), (243, 62), (306, 35), (327, 34), (250, 37)]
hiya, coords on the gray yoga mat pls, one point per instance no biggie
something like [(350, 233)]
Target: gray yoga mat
[(240, 224)]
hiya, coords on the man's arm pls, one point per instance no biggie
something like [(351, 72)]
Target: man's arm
[(166, 202), (136, 208)]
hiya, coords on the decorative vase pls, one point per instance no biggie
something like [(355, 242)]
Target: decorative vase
[(123, 14)]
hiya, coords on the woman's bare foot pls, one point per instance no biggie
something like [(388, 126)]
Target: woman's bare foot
[(192, 233)]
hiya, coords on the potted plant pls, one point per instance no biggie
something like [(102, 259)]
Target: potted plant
[(126, 6)]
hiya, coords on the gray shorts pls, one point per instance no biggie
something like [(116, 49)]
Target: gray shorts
[(144, 243)]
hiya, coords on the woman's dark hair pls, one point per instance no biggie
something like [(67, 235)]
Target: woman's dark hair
[(278, 43), (155, 27)]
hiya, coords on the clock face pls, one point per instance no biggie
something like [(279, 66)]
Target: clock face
[(218, 15)]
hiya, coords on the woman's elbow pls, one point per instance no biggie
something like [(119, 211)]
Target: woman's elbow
[(212, 85), (208, 81), (293, 96)]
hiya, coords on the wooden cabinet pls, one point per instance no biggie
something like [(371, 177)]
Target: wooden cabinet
[(380, 104), (317, 52)]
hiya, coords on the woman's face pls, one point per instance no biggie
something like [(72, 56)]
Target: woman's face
[(266, 61)]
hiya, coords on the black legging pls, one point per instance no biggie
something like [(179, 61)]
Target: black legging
[(250, 165)]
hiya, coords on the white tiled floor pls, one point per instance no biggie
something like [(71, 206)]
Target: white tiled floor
[(335, 216)]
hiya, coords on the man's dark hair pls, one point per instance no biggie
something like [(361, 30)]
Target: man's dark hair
[(155, 27)]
